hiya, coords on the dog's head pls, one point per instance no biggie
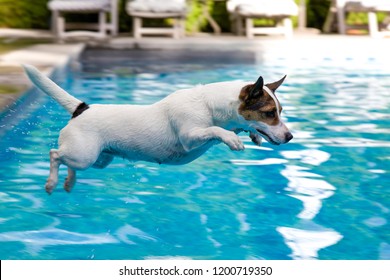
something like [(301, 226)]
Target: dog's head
[(261, 111)]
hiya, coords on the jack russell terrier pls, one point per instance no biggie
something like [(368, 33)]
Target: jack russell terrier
[(175, 130)]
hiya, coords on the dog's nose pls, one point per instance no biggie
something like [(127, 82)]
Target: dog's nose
[(288, 136)]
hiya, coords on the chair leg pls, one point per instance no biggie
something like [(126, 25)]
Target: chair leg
[(239, 26), (182, 27), (341, 20), (102, 24), (137, 25), (288, 27), (114, 18), (176, 28), (54, 25), (249, 28), (373, 25), (179, 26), (60, 27), (330, 19)]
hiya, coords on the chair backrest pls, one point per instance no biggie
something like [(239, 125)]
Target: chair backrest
[(81, 4), (156, 5), (159, 2), (231, 5), (341, 3)]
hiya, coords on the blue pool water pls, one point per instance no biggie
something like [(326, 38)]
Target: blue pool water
[(325, 195)]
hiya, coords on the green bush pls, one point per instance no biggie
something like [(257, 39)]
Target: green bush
[(24, 14), (317, 11), (362, 18)]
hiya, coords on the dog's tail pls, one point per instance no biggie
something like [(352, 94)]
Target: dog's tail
[(69, 102)]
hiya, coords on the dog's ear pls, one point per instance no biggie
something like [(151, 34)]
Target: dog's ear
[(257, 89), (273, 86)]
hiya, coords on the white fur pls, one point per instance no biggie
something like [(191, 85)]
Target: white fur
[(175, 130), (68, 101)]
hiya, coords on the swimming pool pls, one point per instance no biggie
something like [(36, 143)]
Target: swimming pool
[(325, 195)]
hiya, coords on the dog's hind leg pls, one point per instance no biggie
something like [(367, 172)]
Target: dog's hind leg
[(70, 180), (103, 160), (53, 176)]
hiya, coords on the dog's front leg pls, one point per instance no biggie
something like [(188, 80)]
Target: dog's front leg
[(197, 137), (256, 138)]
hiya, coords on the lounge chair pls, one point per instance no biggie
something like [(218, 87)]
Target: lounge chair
[(340, 8), (141, 9), (101, 7), (278, 10)]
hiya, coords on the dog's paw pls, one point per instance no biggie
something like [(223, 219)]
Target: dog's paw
[(50, 185), (234, 143), (256, 138), (69, 184)]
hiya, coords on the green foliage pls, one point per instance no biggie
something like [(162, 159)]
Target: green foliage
[(125, 21), (362, 18), (317, 11), (24, 14), (195, 20), (220, 15)]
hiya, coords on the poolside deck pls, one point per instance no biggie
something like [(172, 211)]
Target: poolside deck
[(308, 46)]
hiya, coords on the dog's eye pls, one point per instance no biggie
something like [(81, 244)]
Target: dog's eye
[(270, 114)]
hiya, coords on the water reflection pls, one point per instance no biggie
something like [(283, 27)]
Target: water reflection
[(305, 244), (310, 156), (311, 189)]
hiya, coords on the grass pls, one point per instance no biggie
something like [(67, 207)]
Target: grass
[(11, 44), (10, 89)]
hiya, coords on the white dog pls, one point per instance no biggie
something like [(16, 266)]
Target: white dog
[(176, 130)]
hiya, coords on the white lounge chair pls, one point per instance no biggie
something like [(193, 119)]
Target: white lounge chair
[(342, 7), (278, 10), (101, 7), (140, 9)]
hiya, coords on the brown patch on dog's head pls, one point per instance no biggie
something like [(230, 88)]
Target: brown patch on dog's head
[(257, 104)]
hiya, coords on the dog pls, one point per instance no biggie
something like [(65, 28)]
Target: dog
[(175, 130)]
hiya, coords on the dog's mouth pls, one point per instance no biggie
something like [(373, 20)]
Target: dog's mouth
[(267, 137)]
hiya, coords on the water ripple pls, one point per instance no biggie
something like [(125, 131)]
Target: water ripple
[(268, 161), (36, 240), (124, 232)]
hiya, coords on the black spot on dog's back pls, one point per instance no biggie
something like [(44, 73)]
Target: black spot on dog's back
[(80, 109)]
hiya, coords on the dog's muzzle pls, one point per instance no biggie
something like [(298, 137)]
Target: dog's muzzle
[(288, 136)]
